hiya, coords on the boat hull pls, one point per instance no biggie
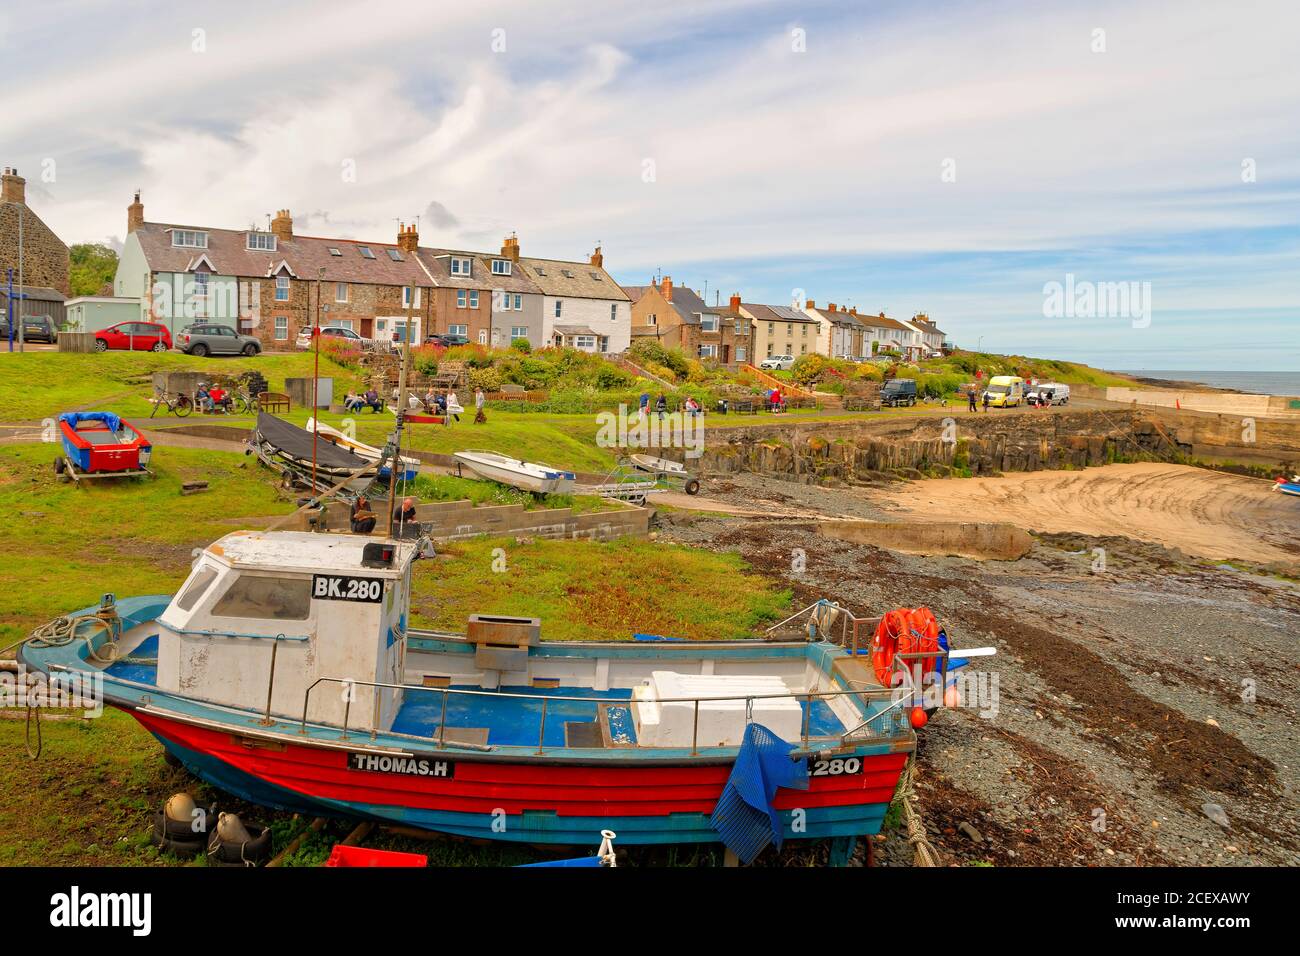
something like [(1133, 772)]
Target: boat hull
[(555, 483), (514, 801)]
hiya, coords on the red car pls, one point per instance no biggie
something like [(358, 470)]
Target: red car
[(134, 337)]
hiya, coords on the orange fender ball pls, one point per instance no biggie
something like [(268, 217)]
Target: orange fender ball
[(919, 719), (951, 698)]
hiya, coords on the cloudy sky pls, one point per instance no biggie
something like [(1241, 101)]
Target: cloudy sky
[(953, 158)]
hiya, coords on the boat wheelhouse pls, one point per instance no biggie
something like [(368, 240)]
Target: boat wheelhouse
[(285, 671)]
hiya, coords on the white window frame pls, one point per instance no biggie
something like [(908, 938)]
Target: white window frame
[(282, 328), (708, 351), (584, 342), (519, 302), (518, 332), (406, 297), (613, 312), (462, 266), (281, 285), (501, 267), (708, 323), (740, 353), (473, 298), (258, 242), (460, 298), (559, 308), (190, 238), (458, 330), (340, 287), (201, 281)]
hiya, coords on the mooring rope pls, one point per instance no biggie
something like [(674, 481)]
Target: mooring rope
[(926, 855)]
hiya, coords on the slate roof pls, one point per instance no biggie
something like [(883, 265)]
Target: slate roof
[(37, 292), (228, 252), (572, 280), (438, 264)]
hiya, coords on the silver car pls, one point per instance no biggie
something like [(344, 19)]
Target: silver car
[(216, 340)]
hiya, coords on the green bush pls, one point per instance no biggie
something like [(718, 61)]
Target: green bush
[(521, 345), (488, 379)]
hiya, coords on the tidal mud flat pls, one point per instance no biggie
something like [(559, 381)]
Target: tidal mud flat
[(1145, 705)]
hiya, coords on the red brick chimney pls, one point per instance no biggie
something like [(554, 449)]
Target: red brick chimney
[(14, 188), (510, 248), (408, 239), (830, 306), (134, 214), (811, 304), (735, 302), (666, 288), (853, 311), (282, 225), (597, 259)]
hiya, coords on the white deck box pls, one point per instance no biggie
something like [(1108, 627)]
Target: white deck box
[(722, 722)]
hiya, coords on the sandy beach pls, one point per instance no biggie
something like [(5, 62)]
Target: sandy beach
[(1204, 513)]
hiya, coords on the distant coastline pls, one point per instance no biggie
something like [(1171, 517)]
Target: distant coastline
[(1257, 383)]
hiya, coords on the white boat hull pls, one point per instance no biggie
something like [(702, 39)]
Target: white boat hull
[(524, 475)]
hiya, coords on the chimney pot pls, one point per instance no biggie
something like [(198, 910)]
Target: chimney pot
[(13, 188), (666, 288), (510, 248), (811, 304), (408, 239), (282, 225)]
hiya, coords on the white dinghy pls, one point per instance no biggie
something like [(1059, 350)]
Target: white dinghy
[(525, 475)]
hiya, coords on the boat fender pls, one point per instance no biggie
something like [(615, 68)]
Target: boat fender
[(183, 819), (234, 844)]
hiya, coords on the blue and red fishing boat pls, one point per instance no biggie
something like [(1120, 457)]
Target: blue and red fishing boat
[(284, 671), (1288, 487), (100, 444)]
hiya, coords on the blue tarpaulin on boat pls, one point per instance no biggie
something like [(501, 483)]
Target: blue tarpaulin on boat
[(580, 861), (744, 816), (111, 420)]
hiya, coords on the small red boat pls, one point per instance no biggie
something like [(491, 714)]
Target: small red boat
[(100, 445)]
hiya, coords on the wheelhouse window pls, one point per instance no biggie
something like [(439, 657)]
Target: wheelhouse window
[(266, 596), (201, 581)]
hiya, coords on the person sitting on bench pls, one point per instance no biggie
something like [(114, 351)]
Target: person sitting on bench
[(363, 519), (371, 400)]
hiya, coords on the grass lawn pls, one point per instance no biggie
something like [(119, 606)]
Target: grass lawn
[(38, 385)]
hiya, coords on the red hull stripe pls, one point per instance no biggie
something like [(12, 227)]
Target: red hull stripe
[(484, 786)]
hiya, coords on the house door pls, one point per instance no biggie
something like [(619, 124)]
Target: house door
[(726, 354)]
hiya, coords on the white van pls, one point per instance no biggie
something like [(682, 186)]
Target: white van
[(1049, 393)]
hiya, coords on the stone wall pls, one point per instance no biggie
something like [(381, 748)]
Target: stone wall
[(454, 520), (914, 448), (45, 257)]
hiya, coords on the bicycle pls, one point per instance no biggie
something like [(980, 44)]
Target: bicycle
[(244, 404), (178, 405)]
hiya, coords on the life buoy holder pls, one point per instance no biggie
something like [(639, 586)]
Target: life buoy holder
[(904, 631)]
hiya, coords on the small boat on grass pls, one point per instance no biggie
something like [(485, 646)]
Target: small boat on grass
[(410, 467), (1291, 487), (289, 450), (284, 671), (525, 475), (101, 445)]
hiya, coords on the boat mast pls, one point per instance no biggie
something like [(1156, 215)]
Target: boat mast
[(401, 405)]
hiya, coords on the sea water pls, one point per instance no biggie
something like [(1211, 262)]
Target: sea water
[(1260, 383)]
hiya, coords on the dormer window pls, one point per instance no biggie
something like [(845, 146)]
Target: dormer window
[(365, 252), (190, 238), (260, 241), (461, 266), (501, 267)]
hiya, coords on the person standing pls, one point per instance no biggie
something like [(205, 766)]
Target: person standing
[(644, 408), (986, 400), (970, 396), (479, 417)]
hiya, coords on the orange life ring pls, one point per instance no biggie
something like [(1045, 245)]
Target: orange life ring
[(904, 631)]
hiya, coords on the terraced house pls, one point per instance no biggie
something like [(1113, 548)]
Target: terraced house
[(274, 283), (677, 317), (780, 330), (840, 334)]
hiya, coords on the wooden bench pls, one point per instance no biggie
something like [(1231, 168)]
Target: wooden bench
[(273, 402)]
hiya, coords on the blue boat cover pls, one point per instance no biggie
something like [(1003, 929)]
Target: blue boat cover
[(580, 861), (744, 816), (655, 637), (111, 420)]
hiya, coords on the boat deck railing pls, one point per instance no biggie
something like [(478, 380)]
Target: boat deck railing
[(878, 694)]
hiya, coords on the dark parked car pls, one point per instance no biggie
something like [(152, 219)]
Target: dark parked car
[(446, 340), (216, 340), (898, 391), (134, 337), (36, 328)]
